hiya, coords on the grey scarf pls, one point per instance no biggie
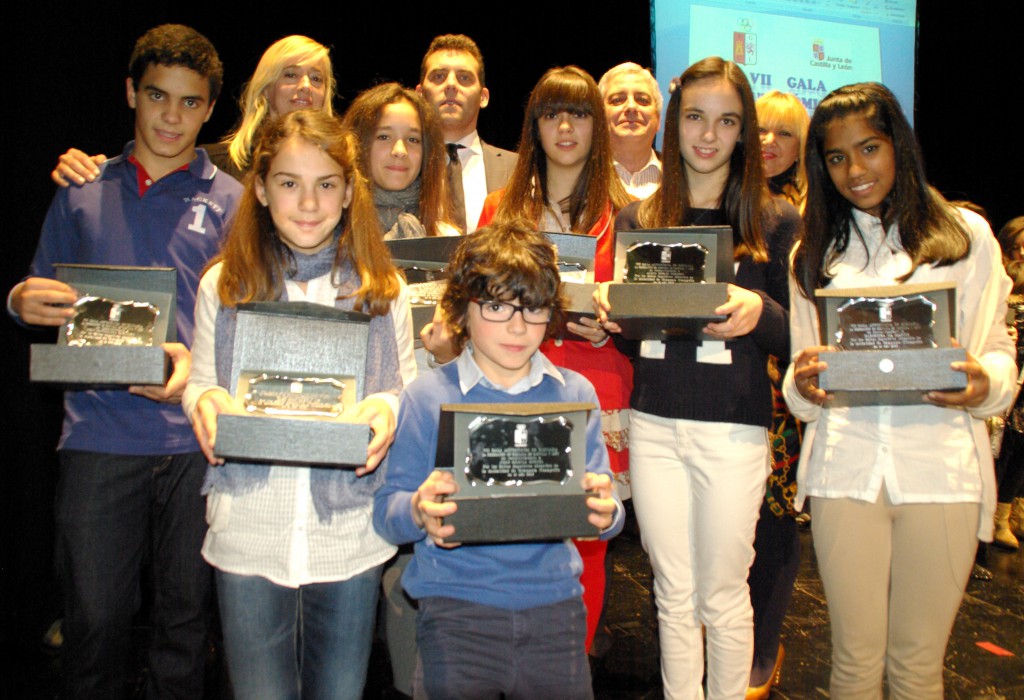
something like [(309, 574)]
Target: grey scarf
[(334, 490), (398, 212)]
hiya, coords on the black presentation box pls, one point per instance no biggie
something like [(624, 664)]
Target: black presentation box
[(576, 254), (668, 282), (519, 468), (882, 361), (424, 262), (87, 351), (295, 349)]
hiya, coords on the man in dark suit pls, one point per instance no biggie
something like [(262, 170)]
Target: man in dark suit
[(452, 79)]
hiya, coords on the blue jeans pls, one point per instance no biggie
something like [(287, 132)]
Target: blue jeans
[(468, 651), (115, 513), (310, 642)]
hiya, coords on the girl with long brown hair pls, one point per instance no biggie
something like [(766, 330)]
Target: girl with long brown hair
[(699, 452), (403, 153), (564, 181), (297, 561)]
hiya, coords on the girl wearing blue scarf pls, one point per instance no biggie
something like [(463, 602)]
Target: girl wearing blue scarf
[(297, 560)]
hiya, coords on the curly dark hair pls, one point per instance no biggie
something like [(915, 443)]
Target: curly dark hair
[(503, 261), (177, 45)]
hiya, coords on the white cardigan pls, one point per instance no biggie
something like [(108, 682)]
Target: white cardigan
[(920, 453)]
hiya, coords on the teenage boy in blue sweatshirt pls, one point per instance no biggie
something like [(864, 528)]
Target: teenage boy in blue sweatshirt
[(130, 468), (505, 618)]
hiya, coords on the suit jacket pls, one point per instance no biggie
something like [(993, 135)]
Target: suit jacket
[(498, 166)]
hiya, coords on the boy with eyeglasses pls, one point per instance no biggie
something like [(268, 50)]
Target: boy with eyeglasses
[(504, 618)]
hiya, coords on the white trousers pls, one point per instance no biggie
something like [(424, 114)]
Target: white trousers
[(697, 490)]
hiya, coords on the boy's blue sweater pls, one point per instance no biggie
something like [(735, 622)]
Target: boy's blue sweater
[(179, 223), (510, 576)]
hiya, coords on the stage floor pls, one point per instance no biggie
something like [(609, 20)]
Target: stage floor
[(992, 612)]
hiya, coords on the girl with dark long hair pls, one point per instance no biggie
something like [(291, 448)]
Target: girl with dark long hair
[(901, 494), (565, 181)]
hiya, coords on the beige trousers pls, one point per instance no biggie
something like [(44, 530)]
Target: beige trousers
[(894, 577)]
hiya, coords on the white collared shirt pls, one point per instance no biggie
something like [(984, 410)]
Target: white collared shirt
[(645, 181), (919, 453), (474, 179), (470, 373)]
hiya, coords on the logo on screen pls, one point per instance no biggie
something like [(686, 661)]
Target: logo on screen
[(818, 49), (744, 48)]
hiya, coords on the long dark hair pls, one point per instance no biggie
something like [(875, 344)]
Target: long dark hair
[(254, 258), (745, 199), (929, 231), (568, 89), (363, 118)]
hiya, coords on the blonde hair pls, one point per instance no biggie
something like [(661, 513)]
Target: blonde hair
[(289, 51), (775, 108)]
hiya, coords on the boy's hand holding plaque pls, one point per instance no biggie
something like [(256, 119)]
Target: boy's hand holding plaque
[(115, 329)]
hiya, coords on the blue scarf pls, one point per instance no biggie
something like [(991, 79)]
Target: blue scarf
[(334, 490)]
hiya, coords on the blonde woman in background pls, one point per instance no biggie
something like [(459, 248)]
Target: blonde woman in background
[(783, 123)]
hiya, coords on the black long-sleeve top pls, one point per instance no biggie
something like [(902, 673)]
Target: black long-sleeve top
[(680, 387)]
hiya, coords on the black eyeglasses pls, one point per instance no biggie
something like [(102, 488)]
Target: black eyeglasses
[(500, 311)]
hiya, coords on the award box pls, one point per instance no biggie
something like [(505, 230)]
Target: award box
[(519, 468), (424, 261), (123, 314), (668, 282), (576, 254), (430, 251), (295, 365), (892, 343)]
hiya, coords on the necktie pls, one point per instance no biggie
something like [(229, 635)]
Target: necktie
[(455, 185)]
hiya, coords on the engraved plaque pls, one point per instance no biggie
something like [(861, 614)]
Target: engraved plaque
[(295, 394), (887, 323), (120, 320), (101, 321), (572, 272), (519, 450), (296, 367), (899, 338), (519, 469), (665, 263), (427, 292), (281, 395)]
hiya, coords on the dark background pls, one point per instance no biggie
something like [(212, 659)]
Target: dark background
[(64, 87)]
